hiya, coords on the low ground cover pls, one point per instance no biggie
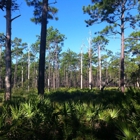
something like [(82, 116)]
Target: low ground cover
[(71, 114)]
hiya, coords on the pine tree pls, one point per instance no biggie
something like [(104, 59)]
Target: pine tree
[(117, 13), (8, 5), (41, 14)]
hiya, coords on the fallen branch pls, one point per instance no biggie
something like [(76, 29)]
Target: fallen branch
[(107, 83)]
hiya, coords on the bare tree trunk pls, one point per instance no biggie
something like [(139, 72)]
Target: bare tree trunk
[(15, 74), (57, 77), (67, 80), (63, 80), (57, 71), (81, 69), (0, 68), (137, 82), (36, 78), (22, 76), (99, 61), (87, 79), (49, 75), (71, 81), (54, 80), (122, 50), (90, 67), (42, 48), (8, 52), (28, 67)]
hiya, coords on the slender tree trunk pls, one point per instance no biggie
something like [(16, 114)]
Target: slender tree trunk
[(106, 73), (67, 80), (15, 74), (71, 81), (64, 78), (49, 75), (22, 76), (0, 68), (137, 83), (99, 61), (90, 67), (122, 50), (81, 69), (36, 79), (28, 67), (57, 76), (57, 71), (22, 73), (8, 52), (54, 84), (46, 78), (53, 75), (42, 48), (87, 79), (96, 84)]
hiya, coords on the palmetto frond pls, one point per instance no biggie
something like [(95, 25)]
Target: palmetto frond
[(108, 114), (27, 110), (15, 112), (127, 133), (113, 113)]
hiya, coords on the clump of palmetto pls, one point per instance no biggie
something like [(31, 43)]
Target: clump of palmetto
[(72, 114)]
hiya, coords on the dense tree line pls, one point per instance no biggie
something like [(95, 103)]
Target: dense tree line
[(62, 69), (43, 64)]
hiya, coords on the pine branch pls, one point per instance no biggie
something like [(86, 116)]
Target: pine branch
[(15, 18)]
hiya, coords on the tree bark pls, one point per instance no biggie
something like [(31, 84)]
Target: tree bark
[(8, 52), (15, 74), (42, 48), (100, 70), (22, 76), (90, 63), (122, 50), (81, 69), (0, 67)]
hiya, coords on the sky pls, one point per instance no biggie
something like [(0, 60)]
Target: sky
[(71, 24)]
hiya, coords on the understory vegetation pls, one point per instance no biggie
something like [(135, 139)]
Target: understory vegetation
[(71, 114)]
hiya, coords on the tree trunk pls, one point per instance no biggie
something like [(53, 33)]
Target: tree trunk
[(99, 61), (122, 50), (42, 48), (57, 77), (90, 68), (81, 69), (71, 80), (8, 52), (0, 68), (54, 80), (67, 80), (34, 76), (22, 76), (15, 74), (57, 71), (49, 75)]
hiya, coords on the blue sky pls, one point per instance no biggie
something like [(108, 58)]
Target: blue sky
[(71, 24)]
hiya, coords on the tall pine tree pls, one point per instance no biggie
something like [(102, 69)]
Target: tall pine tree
[(8, 5), (42, 12), (117, 13)]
